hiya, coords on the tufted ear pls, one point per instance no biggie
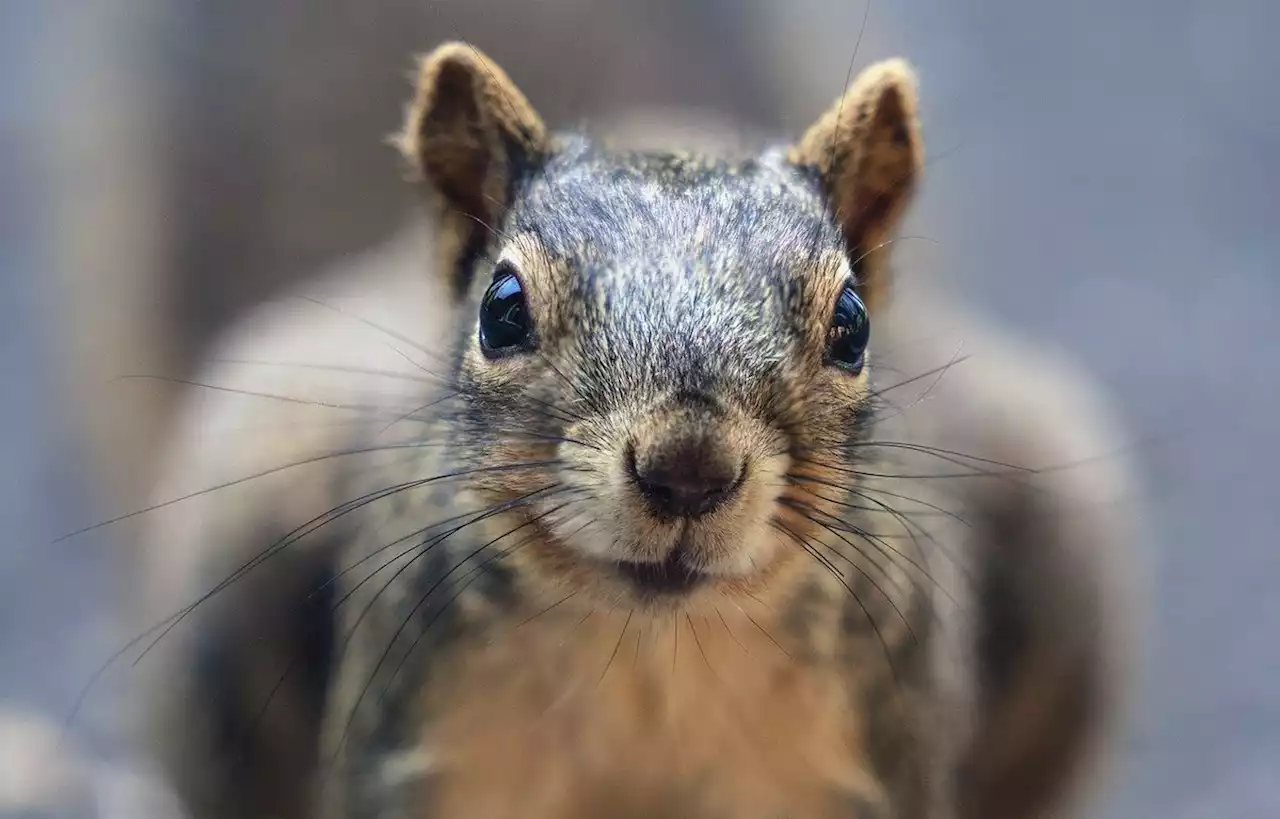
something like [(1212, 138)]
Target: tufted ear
[(867, 152), (468, 135)]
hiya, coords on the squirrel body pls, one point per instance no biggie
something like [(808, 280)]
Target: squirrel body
[(648, 540)]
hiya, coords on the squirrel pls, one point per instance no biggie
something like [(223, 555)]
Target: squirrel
[(589, 504)]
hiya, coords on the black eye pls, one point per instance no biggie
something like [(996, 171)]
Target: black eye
[(504, 316), (849, 333)]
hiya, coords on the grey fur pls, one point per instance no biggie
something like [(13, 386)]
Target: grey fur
[(687, 276)]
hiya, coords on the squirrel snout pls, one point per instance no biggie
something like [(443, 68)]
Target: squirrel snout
[(685, 475)]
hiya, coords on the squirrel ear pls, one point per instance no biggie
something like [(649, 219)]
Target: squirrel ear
[(868, 152), (467, 134)]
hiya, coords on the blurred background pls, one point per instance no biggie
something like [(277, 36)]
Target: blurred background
[(1104, 174)]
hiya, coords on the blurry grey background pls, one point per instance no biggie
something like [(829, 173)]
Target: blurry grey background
[(1105, 174)]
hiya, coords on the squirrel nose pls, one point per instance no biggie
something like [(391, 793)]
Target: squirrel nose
[(685, 477)]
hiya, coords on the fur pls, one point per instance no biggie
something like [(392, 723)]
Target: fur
[(866, 639)]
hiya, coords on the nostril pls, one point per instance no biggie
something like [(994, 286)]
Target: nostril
[(682, 499), (685, 481)]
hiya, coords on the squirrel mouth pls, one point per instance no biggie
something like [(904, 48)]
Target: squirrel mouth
[(671, 576)]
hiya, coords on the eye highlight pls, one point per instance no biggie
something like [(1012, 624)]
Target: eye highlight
[(505, 323), (849, 333)]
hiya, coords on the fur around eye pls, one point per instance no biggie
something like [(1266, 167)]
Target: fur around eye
[(849, 333), (505, 323)]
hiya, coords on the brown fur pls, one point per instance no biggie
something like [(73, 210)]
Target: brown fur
[(869, 149), (570, 710), (814, 674), (465, 128)]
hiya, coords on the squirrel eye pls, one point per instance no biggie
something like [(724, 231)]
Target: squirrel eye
[(849, 333), (504, 315)]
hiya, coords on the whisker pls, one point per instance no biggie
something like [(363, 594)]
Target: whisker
[(238, 481), (288, 399), (166, 625), (543, 611), (859, 491), (334, 368), (805, 542), (573, 385), (495, 232), (957, 564), (839, 527), (413, 413), (554, 411), (950, 455), (470, 576), (868, 487), (844, 94), (729, 631), (697, 641), (675, 643), (761, 628), (616, 646), (936, 372), (422, 549), (866, 612), (403, 625), (417, 346), (427, 544), (888, 243)]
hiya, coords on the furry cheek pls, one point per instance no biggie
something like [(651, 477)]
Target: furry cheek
[(606, 523), (745, 543)]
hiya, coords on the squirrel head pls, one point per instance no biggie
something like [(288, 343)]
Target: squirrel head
[(676, 346)]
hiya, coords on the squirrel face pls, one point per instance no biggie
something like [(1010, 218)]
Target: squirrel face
[(661, 355)]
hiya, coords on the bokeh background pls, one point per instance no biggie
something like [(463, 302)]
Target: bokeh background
[(1104, 174)]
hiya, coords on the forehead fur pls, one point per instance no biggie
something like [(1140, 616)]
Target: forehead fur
[(698, 266), (590, 202)]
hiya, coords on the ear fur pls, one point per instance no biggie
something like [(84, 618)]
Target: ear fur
[(467, 135), (868, 152)]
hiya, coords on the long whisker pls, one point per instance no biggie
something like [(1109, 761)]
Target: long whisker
[(422, 549), (761, 628), (838, 527), (937, 372), (238, 481), (932, 507), (860, 492), (835, 133), (165, 626), (402, 338), (400, 630), (806, 542), (865, 611), (475, 517), (413, 413), (912, 528), (616, 647), (697, 641), (729, 631), (334, 368), (574, 386), (470, 576), (287, 399), (950, 455), (547, 609)]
